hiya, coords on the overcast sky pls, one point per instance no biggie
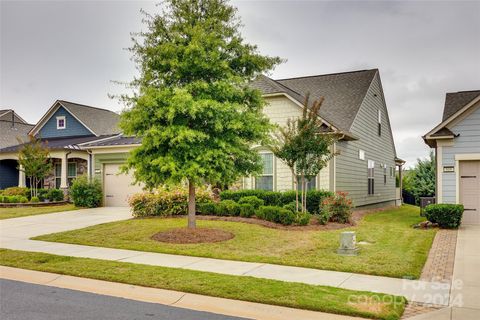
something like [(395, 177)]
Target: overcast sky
[(73, 50)]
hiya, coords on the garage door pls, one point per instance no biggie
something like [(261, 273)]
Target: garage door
[(470, 191), (117, 186)]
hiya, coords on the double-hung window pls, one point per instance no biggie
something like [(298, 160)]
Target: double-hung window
[(71, 172), (61, 122), (371, 177), (265, 180), (384, 174), (379, 122), (58, 175)]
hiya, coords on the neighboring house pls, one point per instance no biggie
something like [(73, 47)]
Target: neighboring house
[(12, 128), (355, 107), (456, 141)]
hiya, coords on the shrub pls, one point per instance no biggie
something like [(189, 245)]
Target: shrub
[(253, 200), (35, 199), (228, 208), (275, 198), (206, 208), (17, 191), (83, 192), (292, 206), (15, 199), (338, 207), (276, 214), (323, 217), (42, 194), (247, 210), (302, 218), (57, 194), (446, 215), (165, 202)]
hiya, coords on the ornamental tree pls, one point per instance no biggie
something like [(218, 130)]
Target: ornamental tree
[(192, 104)]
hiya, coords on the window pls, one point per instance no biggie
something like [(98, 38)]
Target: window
[(71, 172), (265, 180), (391, 172), (379, 122), (61, 122), (311, 184), (361, 154), (58, 175), (371, 177), (384, 174)]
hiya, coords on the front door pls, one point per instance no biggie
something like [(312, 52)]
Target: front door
[(470, 191)]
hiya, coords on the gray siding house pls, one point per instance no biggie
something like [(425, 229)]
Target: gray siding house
[(354, 106), (456, 141)]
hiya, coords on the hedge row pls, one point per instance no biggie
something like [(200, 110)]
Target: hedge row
[(275, 198), (42, 194)]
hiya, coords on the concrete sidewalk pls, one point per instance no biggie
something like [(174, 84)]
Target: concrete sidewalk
[(15, 234), (166, 297)]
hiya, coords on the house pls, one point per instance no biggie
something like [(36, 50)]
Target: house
[(12, 128), (354, 107), (86, 140), (456, 140)]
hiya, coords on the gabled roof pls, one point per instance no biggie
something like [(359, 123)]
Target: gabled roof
[(10, 132), (4, 115), (115, 141), (454, 101), (96, 120), (343, 92), (456, 104), (57, 143)]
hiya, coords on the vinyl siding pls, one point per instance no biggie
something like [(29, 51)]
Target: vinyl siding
[(468, 141), (100, 159), (351, 172), (73, 126), (279, 110)]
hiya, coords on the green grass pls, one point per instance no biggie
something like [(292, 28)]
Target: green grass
[(294, 295), (395, 249), (7, 213)]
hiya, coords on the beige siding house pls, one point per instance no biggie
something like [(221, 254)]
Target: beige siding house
[(354, 106)]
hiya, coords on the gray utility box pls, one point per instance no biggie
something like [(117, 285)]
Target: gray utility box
[(348, 244)]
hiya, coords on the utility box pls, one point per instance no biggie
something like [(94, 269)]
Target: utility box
[(348, 244), (424, 202)]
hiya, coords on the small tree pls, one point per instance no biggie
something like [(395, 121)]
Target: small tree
[(193, 107), (304, 145), (34, 161), (420, 181)]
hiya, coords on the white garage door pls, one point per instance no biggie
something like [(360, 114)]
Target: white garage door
[(470, 191), (117, 186)]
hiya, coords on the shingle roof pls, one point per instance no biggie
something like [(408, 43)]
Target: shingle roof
[(9, 133), (454, 101), (444, 132), (114, 141), (100, 121), (58, 143), (343, 93)]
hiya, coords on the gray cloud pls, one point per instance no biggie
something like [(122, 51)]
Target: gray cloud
[(72, 50)]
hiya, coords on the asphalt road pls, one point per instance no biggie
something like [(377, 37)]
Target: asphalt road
[(25, 301)]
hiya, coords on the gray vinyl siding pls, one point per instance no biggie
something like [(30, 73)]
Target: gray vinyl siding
[(467, 141), (351, 172), (73, 126)]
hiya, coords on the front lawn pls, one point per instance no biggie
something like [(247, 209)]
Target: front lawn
[(288, 294), (394, 248), (7, 213)]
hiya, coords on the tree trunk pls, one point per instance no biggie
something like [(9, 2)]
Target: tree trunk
[(303, 191), (295, 184), (191, 205)]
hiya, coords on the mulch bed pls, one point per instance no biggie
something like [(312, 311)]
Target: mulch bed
[(357, 215), (197, 235)]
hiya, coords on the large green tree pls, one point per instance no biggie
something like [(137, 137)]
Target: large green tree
[(192, 104), (420, 181)]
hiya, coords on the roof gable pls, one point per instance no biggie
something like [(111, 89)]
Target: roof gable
[(97, 121), (343, 93), (73, 127), (454, 101)]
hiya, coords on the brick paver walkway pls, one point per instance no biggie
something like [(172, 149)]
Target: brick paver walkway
[(439, 266)]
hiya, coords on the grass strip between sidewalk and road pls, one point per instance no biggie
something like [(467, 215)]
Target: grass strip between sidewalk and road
[(8, 213), (273, 292)]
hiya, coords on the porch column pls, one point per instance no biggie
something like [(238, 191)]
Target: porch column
[(63, 176), (21, 177)]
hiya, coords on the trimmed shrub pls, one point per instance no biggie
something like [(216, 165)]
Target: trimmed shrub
[(17, 191), (446, 215), (228, 208), (166, 202), (275, 198), (42, 194), (34, 199), (302, 218), (83, 192), (247, 210), (253, 200), (15, 199), (323, 217), (292, 206), (57, 194), (338, 207), (207, 208), (276, 214)]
